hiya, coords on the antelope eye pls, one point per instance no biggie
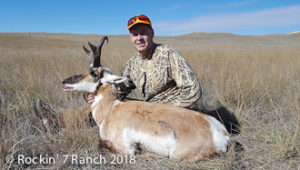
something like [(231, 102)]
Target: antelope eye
[(94, 74)]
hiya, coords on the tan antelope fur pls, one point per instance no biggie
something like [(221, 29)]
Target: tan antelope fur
[(167, 130)]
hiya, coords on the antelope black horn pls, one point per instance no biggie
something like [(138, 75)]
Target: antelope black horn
[(94, 48), (97, 62)]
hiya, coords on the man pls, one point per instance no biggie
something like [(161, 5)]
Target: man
[(158, 73), (161, 74)]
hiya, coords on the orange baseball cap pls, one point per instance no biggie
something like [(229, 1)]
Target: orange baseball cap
[(139, 19)]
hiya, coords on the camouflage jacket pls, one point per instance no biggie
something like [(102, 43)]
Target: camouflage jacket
[(163, 77)]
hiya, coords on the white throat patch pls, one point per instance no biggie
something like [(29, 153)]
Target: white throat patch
[(97, 99), (101, 130)]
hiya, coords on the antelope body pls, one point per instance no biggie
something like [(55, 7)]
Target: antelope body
[(164, 129)]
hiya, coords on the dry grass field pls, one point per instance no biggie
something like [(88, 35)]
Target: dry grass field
[(255, 77)]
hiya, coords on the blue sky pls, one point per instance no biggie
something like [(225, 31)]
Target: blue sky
[(169, 17)]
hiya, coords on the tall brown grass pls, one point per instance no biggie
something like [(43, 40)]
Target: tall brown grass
[(257, 78)]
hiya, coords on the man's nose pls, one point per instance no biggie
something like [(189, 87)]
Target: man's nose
[(139, 36)]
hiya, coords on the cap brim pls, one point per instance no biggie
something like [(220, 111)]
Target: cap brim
[(140, 22)]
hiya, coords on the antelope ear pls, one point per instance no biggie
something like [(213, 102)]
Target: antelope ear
[(112, 79)]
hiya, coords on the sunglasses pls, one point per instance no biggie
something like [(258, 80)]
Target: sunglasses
[(137, 18)]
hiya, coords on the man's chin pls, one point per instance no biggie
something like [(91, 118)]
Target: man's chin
[(140, 49)]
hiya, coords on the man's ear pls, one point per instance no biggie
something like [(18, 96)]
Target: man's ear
[(152, 32)]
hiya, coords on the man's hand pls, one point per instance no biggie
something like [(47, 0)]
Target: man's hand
[(90, 98)]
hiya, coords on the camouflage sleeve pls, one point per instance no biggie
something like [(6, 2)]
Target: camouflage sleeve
[(188, 89)]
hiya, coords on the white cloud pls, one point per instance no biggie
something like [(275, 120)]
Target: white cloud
[(276, 17)]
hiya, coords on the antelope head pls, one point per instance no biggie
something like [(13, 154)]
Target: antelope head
[(96, 77)]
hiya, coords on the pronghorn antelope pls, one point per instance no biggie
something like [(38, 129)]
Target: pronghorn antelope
[(164, 129)]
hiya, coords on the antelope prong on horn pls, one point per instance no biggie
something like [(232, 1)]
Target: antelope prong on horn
[(86, 50), (97, 53)]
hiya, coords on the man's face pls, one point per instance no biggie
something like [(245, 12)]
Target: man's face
[(141, 37)]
